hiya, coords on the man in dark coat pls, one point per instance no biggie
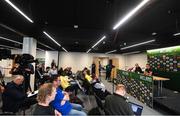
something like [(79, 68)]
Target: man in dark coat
[(116, 104), (14, 97)]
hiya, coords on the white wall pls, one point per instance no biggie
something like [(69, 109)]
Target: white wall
[(49, 56), (40, 54), (131, 60), (16, 51), (78, 60)]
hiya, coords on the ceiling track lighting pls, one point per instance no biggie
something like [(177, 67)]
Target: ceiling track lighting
[(131, 53), (111, 51), (10, 40), (5, 46), (176, 34), (64, 49), (96, 44), (139, 44), (46, 46), (130, 14), (18, 10), (88, 51), (54, 40), (15, 42)]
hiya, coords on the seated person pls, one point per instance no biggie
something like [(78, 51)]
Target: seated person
[(138, 68), (53, 71), (148, 70), (68, 84), (61, 102), (88, 76), (99, 88), (116, 104), (46, 94), (14, 97)]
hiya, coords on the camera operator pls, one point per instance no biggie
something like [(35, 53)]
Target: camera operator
[(28, 71)]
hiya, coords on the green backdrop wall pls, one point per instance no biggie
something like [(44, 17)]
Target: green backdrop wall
[(165, 62)]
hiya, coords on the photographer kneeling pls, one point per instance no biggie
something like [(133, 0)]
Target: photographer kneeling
[(14, 97)]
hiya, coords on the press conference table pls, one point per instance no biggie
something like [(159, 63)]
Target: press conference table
[(160, 84)]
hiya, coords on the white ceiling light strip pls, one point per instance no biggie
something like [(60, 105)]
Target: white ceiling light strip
[(131, 53), (45, 46), (10, 40), (111, 51), (130, 14), (96, 43), (88, 51), (17, 9), (54, 40), (64, 49), (139, 44), (14, 42), (99, 41), (176, 34), (8, 47), (40, 49)]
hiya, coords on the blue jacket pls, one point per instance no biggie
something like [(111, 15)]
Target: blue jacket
[(64, 109)]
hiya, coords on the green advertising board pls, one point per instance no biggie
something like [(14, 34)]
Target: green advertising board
[(165, 59), (165, 62), (137, 85)]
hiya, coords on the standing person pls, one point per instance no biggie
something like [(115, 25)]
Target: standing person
[(108, 70), (138, 68), (93, 68), (46, 94), (27, 77), (100, 69), (53, 63), (148, 71), (116, 104)]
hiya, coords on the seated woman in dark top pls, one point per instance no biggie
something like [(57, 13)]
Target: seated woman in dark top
[(46, 94)]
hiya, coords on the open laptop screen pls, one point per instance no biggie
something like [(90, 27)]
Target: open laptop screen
[(137, 109)]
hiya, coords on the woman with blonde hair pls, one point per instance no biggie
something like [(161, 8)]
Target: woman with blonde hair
[(46, 94)]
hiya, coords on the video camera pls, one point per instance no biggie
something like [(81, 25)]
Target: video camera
[(23, 60)]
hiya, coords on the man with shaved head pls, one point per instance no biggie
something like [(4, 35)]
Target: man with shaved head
[(116, 104), (14, 97)]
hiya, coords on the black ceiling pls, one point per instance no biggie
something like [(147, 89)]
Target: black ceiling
[(94, 18)]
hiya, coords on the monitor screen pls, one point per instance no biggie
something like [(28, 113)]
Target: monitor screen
[(137, 109)]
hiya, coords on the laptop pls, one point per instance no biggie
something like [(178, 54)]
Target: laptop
[(137, 109)]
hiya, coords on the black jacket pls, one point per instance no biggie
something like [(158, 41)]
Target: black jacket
[(13, 97), (116, 105)]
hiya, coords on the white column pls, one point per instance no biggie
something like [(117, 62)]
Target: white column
[(29, 47)]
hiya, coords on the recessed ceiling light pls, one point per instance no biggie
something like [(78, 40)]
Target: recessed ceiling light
[(75, 26), (154, 33)]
